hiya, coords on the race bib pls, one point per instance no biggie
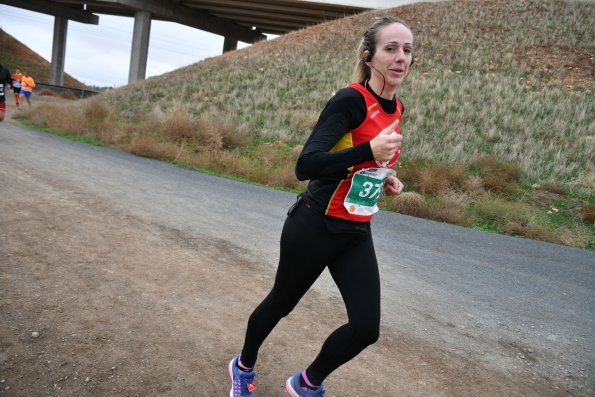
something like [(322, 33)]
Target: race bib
[(366, 187)]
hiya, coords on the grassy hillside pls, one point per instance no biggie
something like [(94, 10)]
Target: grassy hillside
[(513, 79), (499, 122), (15, 55)]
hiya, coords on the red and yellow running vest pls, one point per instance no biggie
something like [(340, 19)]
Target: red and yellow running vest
[(376, 120)]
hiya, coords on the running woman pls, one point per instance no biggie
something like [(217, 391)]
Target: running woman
[(5, 79), (27, 85), (348, 159), (16, 87)]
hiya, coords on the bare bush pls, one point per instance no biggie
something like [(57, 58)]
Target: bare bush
[(96, 113), (501, 211), (531, 231), (207, 134), (232, 134), (117, 134), (554, 188), (68, 95), (588, 213), (66, 119), (147, 146), (438, 178), (46, 92), (179, 125), (284, 176), (450, 208), (409, 203), (498, 176), (474, 184)]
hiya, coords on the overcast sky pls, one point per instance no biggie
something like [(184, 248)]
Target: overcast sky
[(100, 54)]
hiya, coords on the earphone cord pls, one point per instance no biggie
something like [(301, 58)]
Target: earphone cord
[(383, 78)]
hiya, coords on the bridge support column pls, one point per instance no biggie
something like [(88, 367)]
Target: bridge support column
[(230, 44), (58, 51), (140, 46)]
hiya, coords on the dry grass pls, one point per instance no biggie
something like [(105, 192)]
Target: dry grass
[(532, 231), (588, 213), (45, 92), (68, 95), (439, 178), (474, 185), (64, 95), (409, 203), (97, 114), (519, 219), (146, 146), (232, 134), (499, 101), (501, 211), (65, 119), (449, 207)]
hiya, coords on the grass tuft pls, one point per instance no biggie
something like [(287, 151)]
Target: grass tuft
[(531, 231), (96, 114), (439, 178), (409, 203), (498, 176), (67, 95), (45, 92), (588, 213)]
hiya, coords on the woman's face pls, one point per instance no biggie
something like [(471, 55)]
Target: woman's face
[(393, 55)]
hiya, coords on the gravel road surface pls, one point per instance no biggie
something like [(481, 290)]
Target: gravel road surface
[(464, 312)]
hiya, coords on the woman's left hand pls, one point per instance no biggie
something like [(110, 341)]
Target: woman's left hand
[(393, 186)]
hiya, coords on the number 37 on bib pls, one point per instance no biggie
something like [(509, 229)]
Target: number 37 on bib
[(366, 188)]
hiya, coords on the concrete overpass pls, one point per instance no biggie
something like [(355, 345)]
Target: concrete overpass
[(236, 20)]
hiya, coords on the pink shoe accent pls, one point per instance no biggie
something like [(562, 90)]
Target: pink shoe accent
[(308, 381), (243, 367), (290, 389)]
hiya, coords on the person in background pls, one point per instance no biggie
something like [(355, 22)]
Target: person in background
[(5, 79), (348, 159), (16, 87), (27, 85)]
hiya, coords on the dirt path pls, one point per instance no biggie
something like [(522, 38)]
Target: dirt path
[(126, 307)]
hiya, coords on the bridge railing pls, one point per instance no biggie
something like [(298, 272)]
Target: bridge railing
[(79, 93)]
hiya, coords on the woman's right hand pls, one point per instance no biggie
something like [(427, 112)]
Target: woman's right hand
[(386, 143)]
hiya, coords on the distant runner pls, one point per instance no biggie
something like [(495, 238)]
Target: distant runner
[(27, 85), (16, 87), (5, 79)]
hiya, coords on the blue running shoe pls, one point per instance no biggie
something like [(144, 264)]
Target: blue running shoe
[(295, 390), (242, 383)]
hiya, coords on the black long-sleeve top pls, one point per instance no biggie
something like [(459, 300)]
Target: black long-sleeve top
[(5, 78), (344, 112)]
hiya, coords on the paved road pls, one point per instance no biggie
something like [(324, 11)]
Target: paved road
[(507, 301)]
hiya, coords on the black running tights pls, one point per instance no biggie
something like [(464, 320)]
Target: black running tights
[(307, 248)]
